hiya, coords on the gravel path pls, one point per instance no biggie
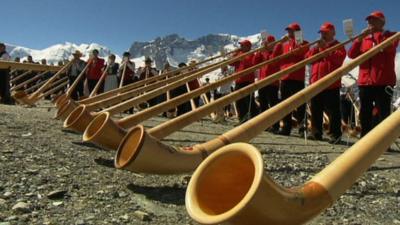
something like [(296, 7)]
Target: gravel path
[(47, 176)]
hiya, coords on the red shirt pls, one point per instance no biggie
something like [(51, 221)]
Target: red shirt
[(379, 70), (128, 73), (95, 69), (194, 84), (292, 59), (269, 69), (241, 65), (324, 66)]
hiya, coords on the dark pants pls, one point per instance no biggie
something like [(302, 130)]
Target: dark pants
[(124, 83), (347, 111), (5, 87), (218, 95), (92, 84), (78, 91), (184, 107), (246, 106), (289, 88), (371, 96), (328, 101), (268, 97)]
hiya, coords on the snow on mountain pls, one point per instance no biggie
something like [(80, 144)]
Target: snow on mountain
[(57, 52)]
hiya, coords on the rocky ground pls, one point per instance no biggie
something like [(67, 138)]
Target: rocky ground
[(47, 176)]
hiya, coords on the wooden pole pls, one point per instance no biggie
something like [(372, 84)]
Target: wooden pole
[(99, 82)]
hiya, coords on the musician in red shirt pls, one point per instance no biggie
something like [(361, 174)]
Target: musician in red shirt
[(375, 74), (95, 71), (329, 99)]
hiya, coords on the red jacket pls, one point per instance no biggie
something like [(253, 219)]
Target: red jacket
[(194, 84), (293, 59), (379, 69), (94, 71), (269, 69), (241, 65), (324, 66)]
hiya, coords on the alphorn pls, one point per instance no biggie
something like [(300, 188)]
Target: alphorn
[(121, 82), (115, 104), (19, 77), (22, 84), (138, 146), (55, 83), (108, 134), (257, 199), (34, 97), (117, 95), (62, 100), (18, 94), (56, 88), (79, 118), (99, 82), (28, 66)]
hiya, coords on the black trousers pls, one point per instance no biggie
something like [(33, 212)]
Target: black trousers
[(5, 87), (289, 88), (268, 97), (92, 84), (246, 106), (370, 97), (124, 83), (347, 111), (328, 101), (78, 91), (218, 95), (184, 107)]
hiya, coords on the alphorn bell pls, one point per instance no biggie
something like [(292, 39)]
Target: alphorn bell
[(138, 148), (80, 118), (230, 186)]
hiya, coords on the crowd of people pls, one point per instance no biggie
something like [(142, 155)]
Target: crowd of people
[(375, 75)]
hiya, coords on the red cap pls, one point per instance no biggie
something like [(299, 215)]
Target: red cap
[(376, 14), (327, 26), (245, 43), (270, 39), (293, 26)]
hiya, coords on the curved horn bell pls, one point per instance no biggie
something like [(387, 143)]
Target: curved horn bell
[(128, 156), (229, 186), (78, 119)]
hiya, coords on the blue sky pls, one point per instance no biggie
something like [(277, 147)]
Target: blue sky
[(117, 23)]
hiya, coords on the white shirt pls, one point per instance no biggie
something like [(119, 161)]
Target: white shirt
[(225, 88)]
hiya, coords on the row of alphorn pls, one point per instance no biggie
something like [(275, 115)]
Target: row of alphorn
[(225, 161)]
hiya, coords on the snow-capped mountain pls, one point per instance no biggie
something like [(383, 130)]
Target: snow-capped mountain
[(58, 52), (175, 49)]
